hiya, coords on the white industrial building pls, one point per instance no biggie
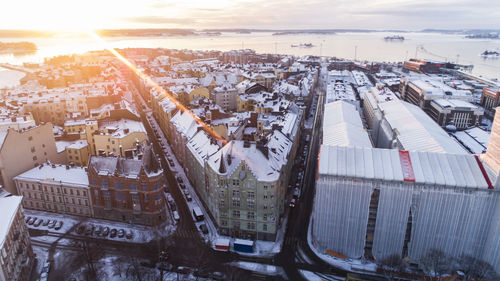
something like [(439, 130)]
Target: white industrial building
[(373, 202), (342, 126), (398, 124)]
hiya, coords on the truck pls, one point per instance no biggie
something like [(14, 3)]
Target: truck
[(241, 245), (198, 214)]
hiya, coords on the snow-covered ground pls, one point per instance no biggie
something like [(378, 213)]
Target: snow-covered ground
[(265, 269), (113, 268), (41, 255), (141, 234)]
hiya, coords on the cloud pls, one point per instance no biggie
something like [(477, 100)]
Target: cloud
[(160, 20)]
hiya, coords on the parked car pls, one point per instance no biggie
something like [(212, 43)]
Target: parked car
[(90, 230), (121, 233), (27, 219), (204, 229), (98, 230), (44, 276), (172, 205), (296, 193), (80, 229), (182, 185), (46, 267), (46, 222), (292, 203), (179, 179), (52, 224), (105, 231), (183, 270), (176, 216), (58, 225), (130, 234), (189, 198), (112, 233), (38, 223), (32, 221)]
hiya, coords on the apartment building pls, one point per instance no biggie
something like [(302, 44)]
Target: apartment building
[(16, 258), (129, 190), (56, 188), (25, 149)]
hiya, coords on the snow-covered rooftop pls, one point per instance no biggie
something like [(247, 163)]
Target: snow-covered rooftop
[(342, 126), (76, 176), (431, 168), (416, 131), (8, 209)]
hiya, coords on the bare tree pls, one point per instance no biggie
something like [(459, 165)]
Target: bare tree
[(435, 263), (391, 265), (475, 269)]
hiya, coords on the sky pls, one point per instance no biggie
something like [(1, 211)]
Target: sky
[(265, 14)]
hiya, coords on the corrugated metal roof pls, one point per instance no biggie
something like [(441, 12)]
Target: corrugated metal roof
[(384, 164), (342, 126), (416, 130)]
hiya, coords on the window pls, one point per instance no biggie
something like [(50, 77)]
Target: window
[(265, 197), (144, 186), (223, 222), (134, 186), (51, 189), (30, 139), (265, 217), (34, 158), (71, 191), (251, 215), (104, 184), (84, 193), (156, 186), (236, 182), (119, 185), (77, 192), (106, 194), (236, 213), (222, 203), (250, 205), (250, 195), (251, 225), (265, 187), (236, 203), (264, 227), (236, 193), (33, 149), (94, 182), (120, 196)]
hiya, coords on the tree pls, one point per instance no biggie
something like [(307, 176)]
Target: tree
[(435, 263), (391, 265), (475, 269), (91, 255)]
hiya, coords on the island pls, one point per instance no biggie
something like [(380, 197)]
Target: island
[(17, 47)]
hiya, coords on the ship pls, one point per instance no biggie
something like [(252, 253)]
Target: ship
[(305, 45), (394, 38), (490, 54)]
